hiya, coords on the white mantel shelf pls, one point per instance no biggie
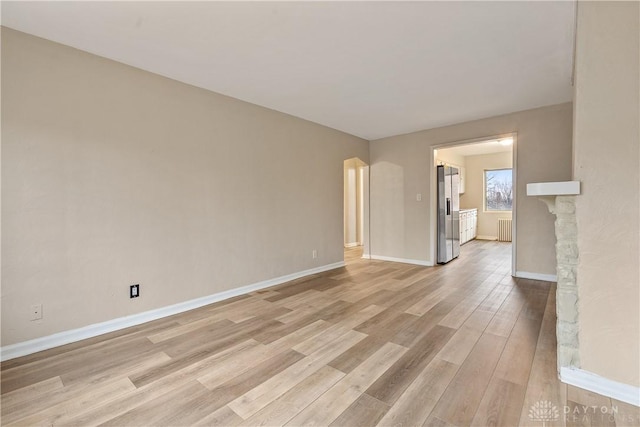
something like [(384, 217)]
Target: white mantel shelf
[(562, 188), (547, 191)]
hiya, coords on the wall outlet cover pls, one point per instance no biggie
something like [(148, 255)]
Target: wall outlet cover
[(134, 291)]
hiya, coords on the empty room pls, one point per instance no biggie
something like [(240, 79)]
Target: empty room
[(320, 213)]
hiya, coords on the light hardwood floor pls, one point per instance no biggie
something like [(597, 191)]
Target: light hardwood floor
[(374, 343)]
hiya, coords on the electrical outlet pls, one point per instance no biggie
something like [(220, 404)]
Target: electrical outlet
[(36, 312), (418, 197), (314, 254), (134, 291)]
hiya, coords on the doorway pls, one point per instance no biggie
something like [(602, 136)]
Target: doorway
[(356, 206), (487, 190)]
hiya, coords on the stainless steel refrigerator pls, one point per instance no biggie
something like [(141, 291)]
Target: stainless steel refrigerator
[(448, 214)]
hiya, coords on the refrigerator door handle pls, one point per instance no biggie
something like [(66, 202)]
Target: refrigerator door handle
[(448, 206)]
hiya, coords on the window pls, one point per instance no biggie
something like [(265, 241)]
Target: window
[(498, 188)]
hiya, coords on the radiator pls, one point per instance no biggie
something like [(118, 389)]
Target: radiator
[(504, 230)]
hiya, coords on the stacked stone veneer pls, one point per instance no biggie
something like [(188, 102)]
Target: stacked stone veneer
[(567, 291)]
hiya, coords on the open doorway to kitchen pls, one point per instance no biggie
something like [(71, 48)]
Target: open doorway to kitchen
[(486, 170), (356, 208)]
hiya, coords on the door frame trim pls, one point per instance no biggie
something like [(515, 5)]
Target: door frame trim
[(433, 206)]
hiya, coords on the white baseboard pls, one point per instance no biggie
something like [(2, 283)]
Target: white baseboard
[(537, 276), (351, 245), (597, 384), (44, 343), (366, 256), (487, 237), (402, 260)]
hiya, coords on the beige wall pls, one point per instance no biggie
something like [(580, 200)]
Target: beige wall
[(474, 194), (606, 145), (401, 226), (113, 176), (450, 157)]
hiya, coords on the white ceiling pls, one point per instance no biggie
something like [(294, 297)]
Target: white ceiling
[(372, 69)]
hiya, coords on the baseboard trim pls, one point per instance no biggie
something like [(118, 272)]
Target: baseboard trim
[(487, 237), (44, 343), (402, 260), (537, 276), (351, 245), (597, 384)]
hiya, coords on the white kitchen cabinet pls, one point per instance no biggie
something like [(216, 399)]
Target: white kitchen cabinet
[(468, 225), (474, 223)]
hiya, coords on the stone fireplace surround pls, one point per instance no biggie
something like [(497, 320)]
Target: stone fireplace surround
[(560, 199)]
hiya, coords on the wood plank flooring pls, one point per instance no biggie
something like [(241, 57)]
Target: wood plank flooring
[(374, 343)]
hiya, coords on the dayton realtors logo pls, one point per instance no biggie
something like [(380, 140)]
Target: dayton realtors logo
[(544, 411)]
